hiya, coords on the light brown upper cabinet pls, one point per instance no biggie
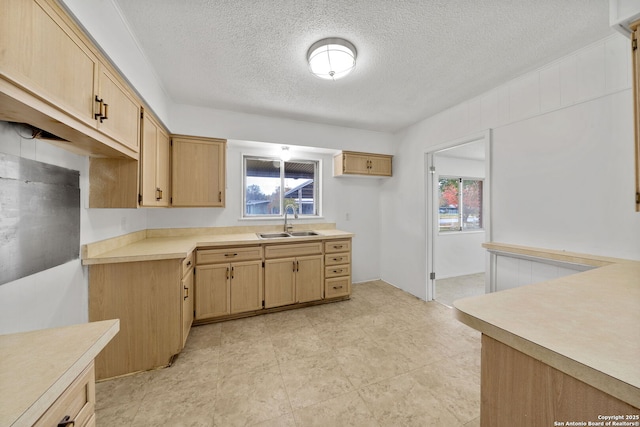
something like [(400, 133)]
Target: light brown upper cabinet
[(54, 78), (197, 171), (353, 163), (635, 52), (154, 163)]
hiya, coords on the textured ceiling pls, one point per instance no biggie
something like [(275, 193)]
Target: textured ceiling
[(415, 58)]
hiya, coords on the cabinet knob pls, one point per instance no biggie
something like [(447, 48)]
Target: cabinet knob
[(230, 255), (337, 287), (186, 294)]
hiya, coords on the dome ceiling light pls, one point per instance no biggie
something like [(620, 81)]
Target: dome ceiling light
[(331, 58)]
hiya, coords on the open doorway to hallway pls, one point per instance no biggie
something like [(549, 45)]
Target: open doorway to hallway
[(458, 220)]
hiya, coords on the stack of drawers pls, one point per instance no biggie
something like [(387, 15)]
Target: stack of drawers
[(337, 270)]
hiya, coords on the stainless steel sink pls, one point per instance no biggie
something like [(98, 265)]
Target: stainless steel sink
[(303, 233), (291, 234), (273, 235)]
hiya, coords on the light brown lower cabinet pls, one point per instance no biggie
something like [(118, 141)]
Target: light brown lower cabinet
[(76, 404), (187, 297), (296, 279), (149, 299), (518, 390), (228, 281)]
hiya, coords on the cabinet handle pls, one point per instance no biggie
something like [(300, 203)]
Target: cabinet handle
[(337, 246), (338, 259), (337, 271), (99, 113), (227, 273), (188, 263), (294, 266), (232, 271), (66, 422), (186, 294), (230, 255), (158, 193), (105, 116), (337, 287), (220, 196)]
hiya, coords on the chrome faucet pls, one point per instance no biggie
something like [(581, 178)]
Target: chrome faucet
[(289, 227)]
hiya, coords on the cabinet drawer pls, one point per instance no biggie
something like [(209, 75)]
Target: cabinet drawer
[(337, 246), (293, 250), (218, 255), (337, 270), (187, 263), (337, 259), (77, 402), (337, 287)]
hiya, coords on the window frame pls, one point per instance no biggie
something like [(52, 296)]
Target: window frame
[(461, 229), (316, 187)]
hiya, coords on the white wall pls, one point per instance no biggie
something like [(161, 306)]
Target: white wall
[(57, 296), (459, 253), (577, 106)]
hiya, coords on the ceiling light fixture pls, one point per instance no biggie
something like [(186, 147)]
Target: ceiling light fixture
[(285, 154), (331, 58)]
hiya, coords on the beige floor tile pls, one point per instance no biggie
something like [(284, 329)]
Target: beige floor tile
[(402, 401), (250, 398), (324, 314), (286, 420), (190, 406), (119, 391), (204, 336), (117, 415), (345, 334), (348, 410), (473, 423), (314, 379), (455, 383), (297, 344), (286, 321), (234, 331), (367, 363), (246, 356)]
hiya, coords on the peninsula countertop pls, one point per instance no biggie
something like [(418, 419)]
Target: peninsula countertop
[(586, 325), (37, 366), (158, 244)]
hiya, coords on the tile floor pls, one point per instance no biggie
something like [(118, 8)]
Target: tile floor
[(453, 288), (383, 358)]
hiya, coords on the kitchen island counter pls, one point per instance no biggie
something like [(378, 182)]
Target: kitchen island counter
[(585, 325)]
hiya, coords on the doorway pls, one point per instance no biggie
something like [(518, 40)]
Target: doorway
[(458, 218)]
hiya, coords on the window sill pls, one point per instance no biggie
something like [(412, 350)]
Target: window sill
[(281, 218), (457, 233)]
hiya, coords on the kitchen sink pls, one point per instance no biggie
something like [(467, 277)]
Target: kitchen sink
[(303, 233), (281, 235), (273, 235)]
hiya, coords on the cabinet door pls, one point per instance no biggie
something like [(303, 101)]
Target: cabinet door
[(279, 282), (198, 172), (154, 164), (309, 278), (42, 54), (120, 110), (187, 304), (246, 286), (380, 165), (355, 163), (212, 291)]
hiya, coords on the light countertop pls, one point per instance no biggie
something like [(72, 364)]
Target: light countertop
[(586, 325), (38, 366), (151, 245)]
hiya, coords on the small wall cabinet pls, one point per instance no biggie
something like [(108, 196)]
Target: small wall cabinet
[(197, 171), (353, 163), (228, 281), (154, 163), (635, 52)]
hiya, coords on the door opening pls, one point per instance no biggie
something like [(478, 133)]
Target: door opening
[(458, 218)]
